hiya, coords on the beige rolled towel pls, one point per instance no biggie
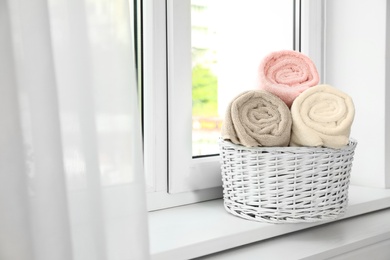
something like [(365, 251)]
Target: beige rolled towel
[(257, 118), (322, 116)]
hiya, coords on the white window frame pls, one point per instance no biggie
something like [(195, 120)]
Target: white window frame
[(188, 174), (160, 88)]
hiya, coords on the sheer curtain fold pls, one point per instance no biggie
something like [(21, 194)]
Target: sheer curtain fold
[(15, 234), (71, 180)]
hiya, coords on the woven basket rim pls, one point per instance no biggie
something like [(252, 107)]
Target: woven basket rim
[(292, 149)]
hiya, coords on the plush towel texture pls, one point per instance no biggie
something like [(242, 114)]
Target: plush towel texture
[(322, 116), (257, 118), (287, 74)]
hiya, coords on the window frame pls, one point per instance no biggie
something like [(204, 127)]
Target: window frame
[(180, 158), (157, 92)]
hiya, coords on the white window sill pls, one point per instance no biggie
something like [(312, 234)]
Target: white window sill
[(360, 238), (205, 228)]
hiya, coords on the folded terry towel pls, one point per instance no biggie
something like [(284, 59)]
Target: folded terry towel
[(322, 116), (287, 74), (257, 118)]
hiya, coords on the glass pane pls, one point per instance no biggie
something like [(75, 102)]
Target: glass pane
[(229, 40)]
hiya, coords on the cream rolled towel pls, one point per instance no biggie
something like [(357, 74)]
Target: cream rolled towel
[(322, 116), (257, 118), (287, 74)]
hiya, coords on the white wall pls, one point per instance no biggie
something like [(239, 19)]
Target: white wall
[(355, 63)]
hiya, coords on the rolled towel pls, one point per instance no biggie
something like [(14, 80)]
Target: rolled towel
[(257, 118), (287, 74), (322, 116)]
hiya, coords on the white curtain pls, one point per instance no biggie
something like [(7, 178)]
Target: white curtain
[(71, 175)]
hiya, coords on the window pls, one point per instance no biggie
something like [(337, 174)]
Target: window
[(225, 54), (197, 55)]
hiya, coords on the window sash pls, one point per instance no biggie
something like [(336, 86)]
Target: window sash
[(185, 172)]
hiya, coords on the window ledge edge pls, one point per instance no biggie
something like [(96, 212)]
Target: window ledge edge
[(205, 228)]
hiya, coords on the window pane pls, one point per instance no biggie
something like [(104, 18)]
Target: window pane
[(229, 39)]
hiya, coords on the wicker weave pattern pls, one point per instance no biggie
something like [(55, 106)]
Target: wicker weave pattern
[(286, 184)]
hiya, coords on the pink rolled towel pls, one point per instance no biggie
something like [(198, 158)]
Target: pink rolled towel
[(286, 74)]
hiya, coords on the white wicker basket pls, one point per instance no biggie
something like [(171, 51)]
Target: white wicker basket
[(286, 184)]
